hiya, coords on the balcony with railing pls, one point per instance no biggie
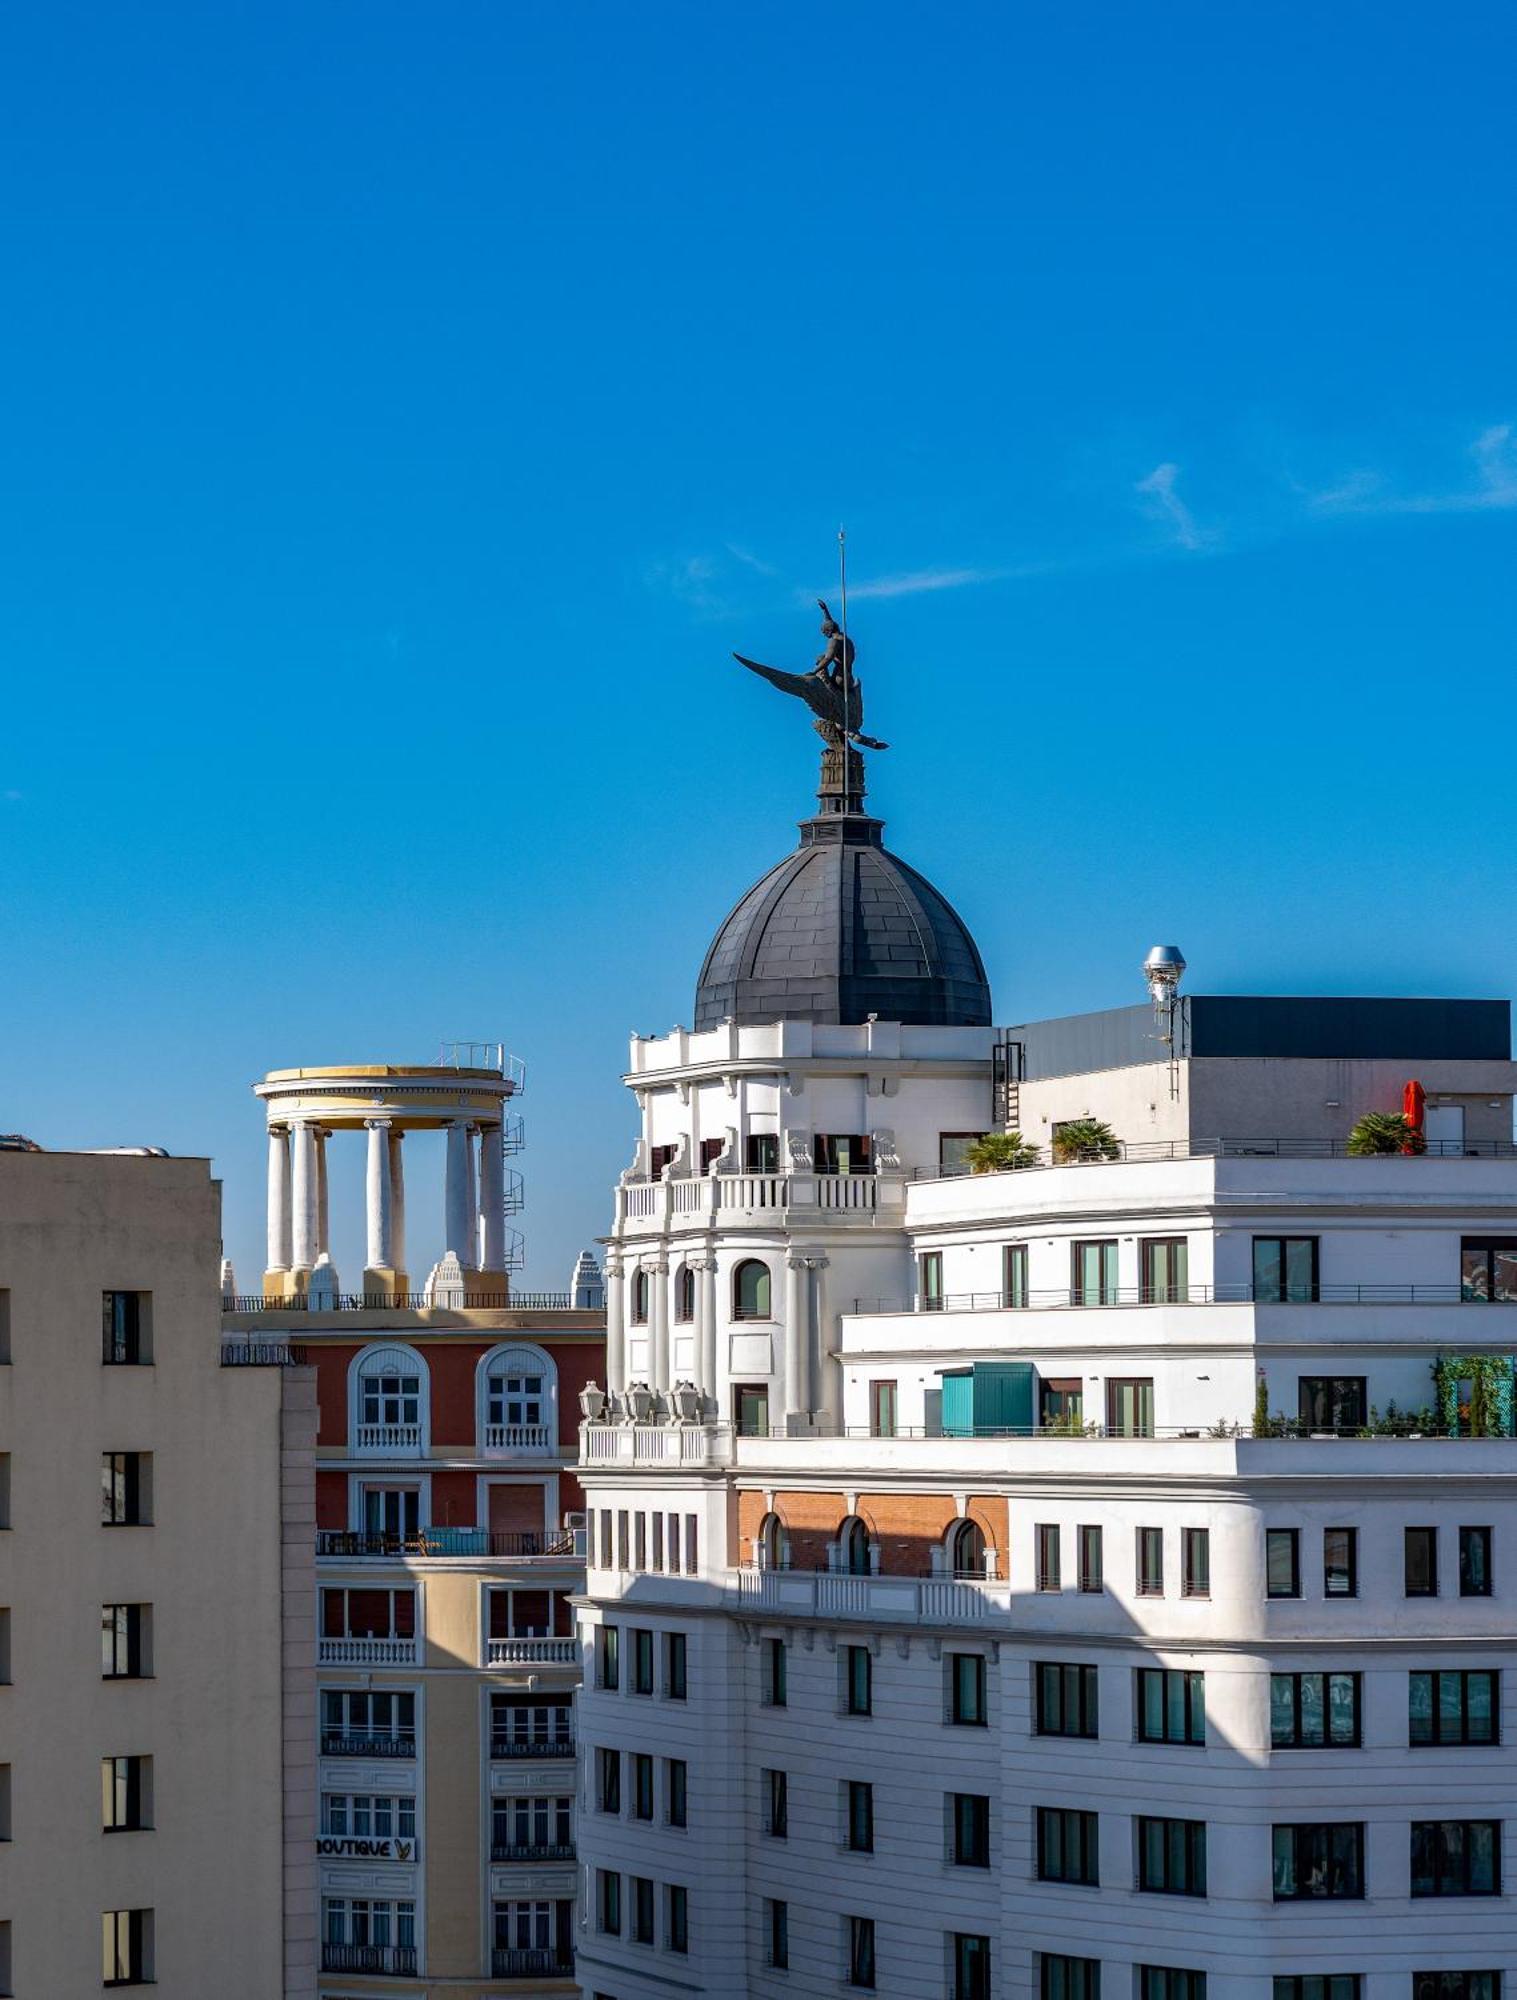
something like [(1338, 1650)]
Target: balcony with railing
[(503, 1852), (524, 1963), (367, 1652), (700, 1201), (389, 1440), (532, 1749), (536, 1652), (370, 1743), (396, 1960), (447, 1544), (518, 1440)]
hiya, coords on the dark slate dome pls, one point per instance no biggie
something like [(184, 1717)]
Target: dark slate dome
[(837, 931)]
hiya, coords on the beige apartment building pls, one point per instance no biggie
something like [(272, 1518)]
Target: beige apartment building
[(147, 1674)]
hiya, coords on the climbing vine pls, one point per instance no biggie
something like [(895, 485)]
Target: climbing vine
[(1488, 1412)]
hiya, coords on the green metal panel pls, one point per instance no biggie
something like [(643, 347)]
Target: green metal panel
[(958, 1404), (989, 1397)]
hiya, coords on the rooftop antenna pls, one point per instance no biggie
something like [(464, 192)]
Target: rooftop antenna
[(1164, 968), (848, 751)]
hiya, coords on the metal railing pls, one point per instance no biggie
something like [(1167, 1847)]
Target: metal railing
[(532, 1850), (1266, 1148), (716, 1444), (519, 1963), (261, 1354), (1086, 1298), (336, 1743), (344, 1302), (442, 1542), (491, 1056), (506, 1749), (392, 1958)]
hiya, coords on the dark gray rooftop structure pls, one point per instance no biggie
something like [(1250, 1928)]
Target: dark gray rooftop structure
[(837, 931), (1253, 1025)]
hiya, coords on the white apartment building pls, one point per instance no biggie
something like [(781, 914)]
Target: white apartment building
[(1022, 1583)]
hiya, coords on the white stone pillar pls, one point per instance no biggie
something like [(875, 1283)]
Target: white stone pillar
[(705, 1305), (397, 1201), (492, 1199), (658, 1332), (468, 1254), (822, 1337), (379, 1192), (279, 1198), (458, 1214), (797, 1286), (303, 1198), (616, 1327), (323, 1205)]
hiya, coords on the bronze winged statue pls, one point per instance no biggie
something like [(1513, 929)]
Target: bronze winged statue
[(831, 690)]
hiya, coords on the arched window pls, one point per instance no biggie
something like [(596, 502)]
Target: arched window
[(855, 1548), (639, 1297), (517, 1399), (684, 1293), (387, 1400), (966, 1549), (750, 1290), (773, 1543)]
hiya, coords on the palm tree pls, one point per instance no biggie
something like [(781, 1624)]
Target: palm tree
[(1385, 1132), (1000, 1152), (1085, 1139)]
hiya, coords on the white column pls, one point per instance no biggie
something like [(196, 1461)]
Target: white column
[(397, 1201), (705, 1305), (279, 1198), (616, 1327), (303, 1201), (826, 1372), (323, 1206), (492, 1198), (797, 1286), (458, 1214), (468, 1254), (379, 1191), (658, 1341)]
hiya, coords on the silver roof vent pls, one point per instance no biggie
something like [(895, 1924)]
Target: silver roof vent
[(1164, 968)]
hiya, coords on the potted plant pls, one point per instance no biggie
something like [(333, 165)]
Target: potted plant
[(1384, 1132), (1000, 1153), (1085, 1139)]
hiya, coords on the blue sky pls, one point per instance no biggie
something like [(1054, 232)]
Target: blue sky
[(408, 409)]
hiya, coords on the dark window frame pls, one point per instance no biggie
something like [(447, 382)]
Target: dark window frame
[(1086, 1705), (1289, 1538), (1322, 1834), (1427, 1542), (1436, 1677), (1067, 1845), (969, 1829), (1300, 1741), (1181, 1869), (1447, 1874), (1190, 1686), (1279, 1289), (1476, 1580), (1347, 1571)]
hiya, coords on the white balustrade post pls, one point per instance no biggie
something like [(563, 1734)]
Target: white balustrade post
[(492, 1199), (705, 1299), (397, 1202), (616, 1327), (379, 1200), (279, 1198), (457, 1211), (468, 1254), (303, 1198), (658, 1343), (796, 1288)]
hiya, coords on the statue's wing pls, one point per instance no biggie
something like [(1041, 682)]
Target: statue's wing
[(806, 686)]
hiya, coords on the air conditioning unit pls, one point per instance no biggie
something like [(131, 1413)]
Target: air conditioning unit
[(574, 1520)]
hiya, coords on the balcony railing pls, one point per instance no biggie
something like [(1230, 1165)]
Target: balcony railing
[(1089, 1297), (335, 1743), (261, 1354), (531, 1652), (442, 1543), (346, 1302), (507, 1749), (383, 1958), (531, 1964), (697, 1198), (518, 1437), (532, 1850), (390, 1438), (1266, 1148), (366, 1652)]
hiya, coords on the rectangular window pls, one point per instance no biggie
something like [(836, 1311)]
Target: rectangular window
[(1421, 1562), (1165, 1268), (1093, 1273), (752, 1409), (640, 1540), (1066, 1699), (623, 1540), (675, 1657), (1130, 1407), (1316, 1862), (1195, 1562), (842, 1153), (1488, 1268), (127, 1937), (1171, 1705), (882, 1409), (642, 1785), (1048, 1557), (1317, 1986), (1170, 1982), (777, 1926), (1340, 1562), (1456, 1986), (642, 1660), (1332, 1402), (372, 1723), (1456, 1857), (1474, 1562), (971, 1967), (953, 1151), (1282, 1562), (1068, 1846), (1314, 1711), (657, 1561), (642, 1909), (1061, 1404), (761, 1153), (861, 1951), (610, 1788), (125, 1794), (1089, 1540), (123, 1642), (124, 1329), (930, 1281), (966, 1689), (605, 1538), (608, 1649), (858, 1680), (969, 1829), (676, 1791), (1172, 1856), (674, 1564), (608, 1901), (774, 1673), (660, 1158), (1014, 1275), (124, 1489), (859, 1817), (1285, 1270), (1150, 1562), (677, 1918), (1061, 1978), (776, 1805), (1454, 1707), (692, 1544)]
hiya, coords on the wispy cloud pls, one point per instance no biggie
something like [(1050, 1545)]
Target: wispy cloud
[(1165, 504), (695, 581), (1494, 485), (912, 582), (750, 561)]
